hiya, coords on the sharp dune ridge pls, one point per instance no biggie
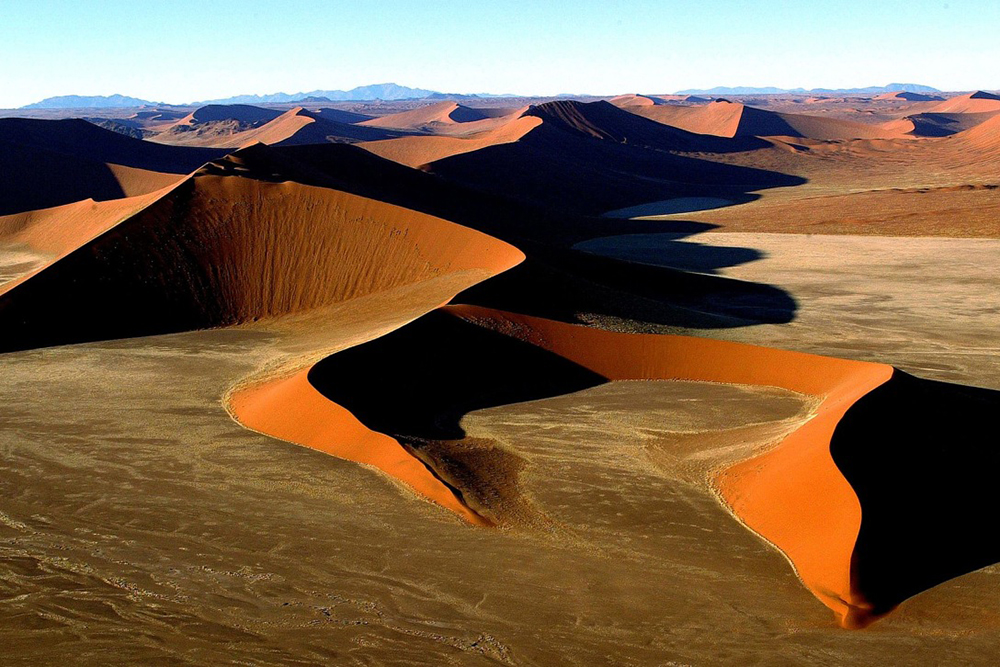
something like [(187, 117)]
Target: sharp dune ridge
[(441, 113), (237, 126), (529, 320), (795, 495), (221, 250), (47, 163), (976, 102), (733, 119)]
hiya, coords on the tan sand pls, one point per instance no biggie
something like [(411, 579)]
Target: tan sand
[(794, 495), (733, 119), (416, 151), (976, 102)]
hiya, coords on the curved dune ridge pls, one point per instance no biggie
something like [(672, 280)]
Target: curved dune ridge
[(634, 100), (985, 136), (220, 250), (237, 126), (48, 163), (793, 495), (417, 151), (445, 113), (594, 120), (908, 96), (733, 119), (291, 409), (977, 102)]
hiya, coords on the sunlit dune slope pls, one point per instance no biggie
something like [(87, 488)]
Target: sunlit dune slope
[(441, 113), (597, 120), (219, 250), (591, 158), (793, 495), (982, 137), (235, 126), (976, 102), (732, 119), (416, 151), (908, 96)]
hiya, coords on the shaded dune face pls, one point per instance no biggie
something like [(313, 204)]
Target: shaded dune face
[(867, 501), (426, 387), (793, 495), (563, 166), (920, 456), (47, 163), (233, 126), (216, 251), (736, 120)]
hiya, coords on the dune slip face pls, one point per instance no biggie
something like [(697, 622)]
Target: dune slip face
[(815, 496)]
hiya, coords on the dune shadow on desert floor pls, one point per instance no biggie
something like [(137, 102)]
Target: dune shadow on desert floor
[(640, 270), (438, 368), (416, 383), (922, 457)]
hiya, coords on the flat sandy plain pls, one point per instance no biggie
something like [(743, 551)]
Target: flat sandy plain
[(141, 523)]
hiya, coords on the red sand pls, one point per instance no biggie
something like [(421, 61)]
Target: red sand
[(977, 102), (733, 119), (292, 410), (56, 232), (793, 495), (416, 151), (442, 113)]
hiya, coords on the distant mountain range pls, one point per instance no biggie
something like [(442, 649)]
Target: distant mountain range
[(89, 102), (379, 91), (742, 90)]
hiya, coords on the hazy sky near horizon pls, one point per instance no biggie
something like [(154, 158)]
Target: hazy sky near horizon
[(183, 51)]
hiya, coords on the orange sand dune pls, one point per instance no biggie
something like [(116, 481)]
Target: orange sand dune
[(224, 127), (416, 151), (36, 178), (443, 113), (985, 136), (909, 97), (218, 250), (937, 124), (977, 102), (449, 119), (81, 139), (732, 119), (292, 409), (53, 233), (793, 495), (48, 163), (635, 101), (591, 158), (243, 113)]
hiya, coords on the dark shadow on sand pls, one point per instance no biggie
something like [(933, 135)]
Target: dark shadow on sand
[(418, 381), (922, 457)]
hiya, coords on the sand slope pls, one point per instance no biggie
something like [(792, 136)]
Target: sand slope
[(908, 96), (976, 102), (47, 163), (441, 113), (234, 126), (732, 119), (217, 250), (591, 158), (793, 495), (417, 151)]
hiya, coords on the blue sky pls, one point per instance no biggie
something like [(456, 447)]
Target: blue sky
[(181, 51)]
